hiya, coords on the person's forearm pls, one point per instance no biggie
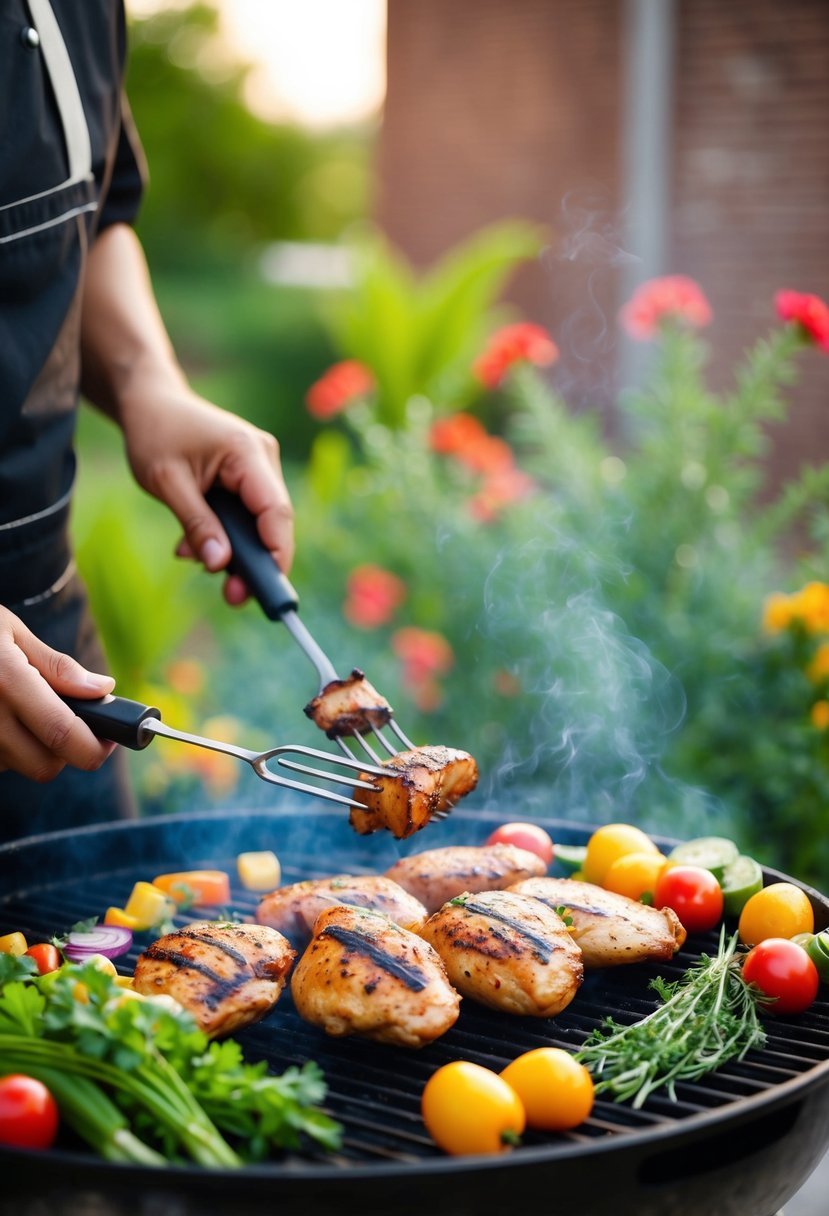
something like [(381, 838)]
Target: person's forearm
[(127, 355)]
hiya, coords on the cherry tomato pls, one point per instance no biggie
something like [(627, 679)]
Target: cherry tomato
[(469, 1109), (612, 841), (28, 1113), (779, 910), (527, 836), (693, 893), (634, 874), (556, 1090), (46, 956), (783, 970)]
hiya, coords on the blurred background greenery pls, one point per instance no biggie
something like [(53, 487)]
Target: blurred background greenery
[(594, 629)]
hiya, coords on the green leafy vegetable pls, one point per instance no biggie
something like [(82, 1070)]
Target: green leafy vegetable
[(709, 1016), (140, 1082)]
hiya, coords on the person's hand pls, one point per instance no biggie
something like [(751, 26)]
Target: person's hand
[(179, 445), (39, 734)]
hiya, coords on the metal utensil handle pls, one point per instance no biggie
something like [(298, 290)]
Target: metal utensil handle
[(251, 560), (116, 719)]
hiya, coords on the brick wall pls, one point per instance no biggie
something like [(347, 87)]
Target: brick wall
[(499, 109)]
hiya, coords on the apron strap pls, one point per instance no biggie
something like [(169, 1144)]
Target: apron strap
[(65, 87)]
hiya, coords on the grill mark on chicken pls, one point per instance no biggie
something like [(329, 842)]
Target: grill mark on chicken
[(352, 939), (542, 949), (225, 948), (221, 987)]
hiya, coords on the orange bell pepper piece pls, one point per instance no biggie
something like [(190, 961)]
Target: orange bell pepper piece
[(204, 888)]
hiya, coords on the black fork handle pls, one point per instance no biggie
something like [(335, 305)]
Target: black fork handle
[(251, 560), (115, 719)]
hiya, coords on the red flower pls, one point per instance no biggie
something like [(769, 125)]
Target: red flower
[(809, 312), (520, 343), (452, 434), (424, 655), (373, 596), (673, 296), (499, 489), (338, 387)]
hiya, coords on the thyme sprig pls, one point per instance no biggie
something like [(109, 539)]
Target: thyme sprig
[(709, 1016)]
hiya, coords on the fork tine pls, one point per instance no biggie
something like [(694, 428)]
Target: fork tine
[(352, 782), (404, 739)]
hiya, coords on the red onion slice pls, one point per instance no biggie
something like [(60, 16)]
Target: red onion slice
[(110, 940)]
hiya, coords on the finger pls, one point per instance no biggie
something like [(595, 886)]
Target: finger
[(26, 755), (183, 548), (60, 671), (259, 483), (235, 591)]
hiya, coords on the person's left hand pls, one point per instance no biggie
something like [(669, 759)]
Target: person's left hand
[(178, 445)]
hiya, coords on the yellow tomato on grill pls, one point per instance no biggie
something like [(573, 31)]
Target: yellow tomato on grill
[(779, 910), (556, 1090), (610, 842), (634, 874), (470, 1109)]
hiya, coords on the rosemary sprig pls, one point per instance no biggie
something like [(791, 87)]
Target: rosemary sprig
[(709, 1016)]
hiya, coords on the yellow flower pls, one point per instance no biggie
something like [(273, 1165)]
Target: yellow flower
[(811, 607), (777, 612), (818, 669), (820, 715)]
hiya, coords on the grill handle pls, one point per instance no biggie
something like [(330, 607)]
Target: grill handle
[(116, 719), (251, 560)]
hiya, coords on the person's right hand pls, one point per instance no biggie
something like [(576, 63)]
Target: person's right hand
[(39, 734)]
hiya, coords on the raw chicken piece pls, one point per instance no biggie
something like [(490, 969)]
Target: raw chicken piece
[(437, 874), (225, 975), (365, 976), (421, 783), (507, 951), (610, 929), (345, 707), (294, 909)]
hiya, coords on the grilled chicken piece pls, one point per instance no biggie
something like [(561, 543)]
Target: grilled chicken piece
[(610, 929), (507, 951), (439, 874), (363, 975), (421, 783), (294, 909), (345, 707), (226, 976)]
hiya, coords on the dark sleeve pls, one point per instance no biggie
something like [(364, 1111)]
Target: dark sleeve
[(129, 175)]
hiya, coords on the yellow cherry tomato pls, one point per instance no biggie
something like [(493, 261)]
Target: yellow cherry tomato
[(556, 1090), (779, 910), (610, 842), (13, 943), (634, 874), (470, 1109)]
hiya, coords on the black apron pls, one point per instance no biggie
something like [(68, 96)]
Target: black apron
[(69, 165)]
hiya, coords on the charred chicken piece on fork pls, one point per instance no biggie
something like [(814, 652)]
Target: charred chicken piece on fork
[(348, 707), (610, 929), (294, 909), (226, 975), (421, 783), (508, 952), (439, 874), (363, 975)]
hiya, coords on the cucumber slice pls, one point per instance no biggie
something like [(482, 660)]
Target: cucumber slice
[(570, 856), (712, 853), (740, 880)]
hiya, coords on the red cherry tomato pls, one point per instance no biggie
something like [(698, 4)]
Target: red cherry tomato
[(28, 1113), (782, 969), (527, 836), (46, 956), (693, 893)]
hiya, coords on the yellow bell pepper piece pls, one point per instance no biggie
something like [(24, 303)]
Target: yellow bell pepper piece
[(118, 916), (148, 905), (13, 943), (259, 871)]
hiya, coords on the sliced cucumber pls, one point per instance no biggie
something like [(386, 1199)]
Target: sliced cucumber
[(712, 853), (740, 880), (570, 856)]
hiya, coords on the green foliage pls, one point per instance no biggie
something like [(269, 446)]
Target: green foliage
[(418, 334)]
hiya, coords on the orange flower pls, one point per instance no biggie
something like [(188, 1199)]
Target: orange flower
[(818, 669), (777, 612), (424, 655), (452, 434), (500, 489), (820, 715), (811, 607), (373, 596), (519, 343), (809, 312), (674, 296), (342, 384)]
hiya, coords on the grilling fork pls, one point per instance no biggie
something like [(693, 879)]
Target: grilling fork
[(253, 563), (135, 725)]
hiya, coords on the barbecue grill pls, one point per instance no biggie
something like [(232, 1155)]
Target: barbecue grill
[(738, 1143)]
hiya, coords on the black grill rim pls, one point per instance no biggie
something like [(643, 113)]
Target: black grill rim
[(682, 1132)]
